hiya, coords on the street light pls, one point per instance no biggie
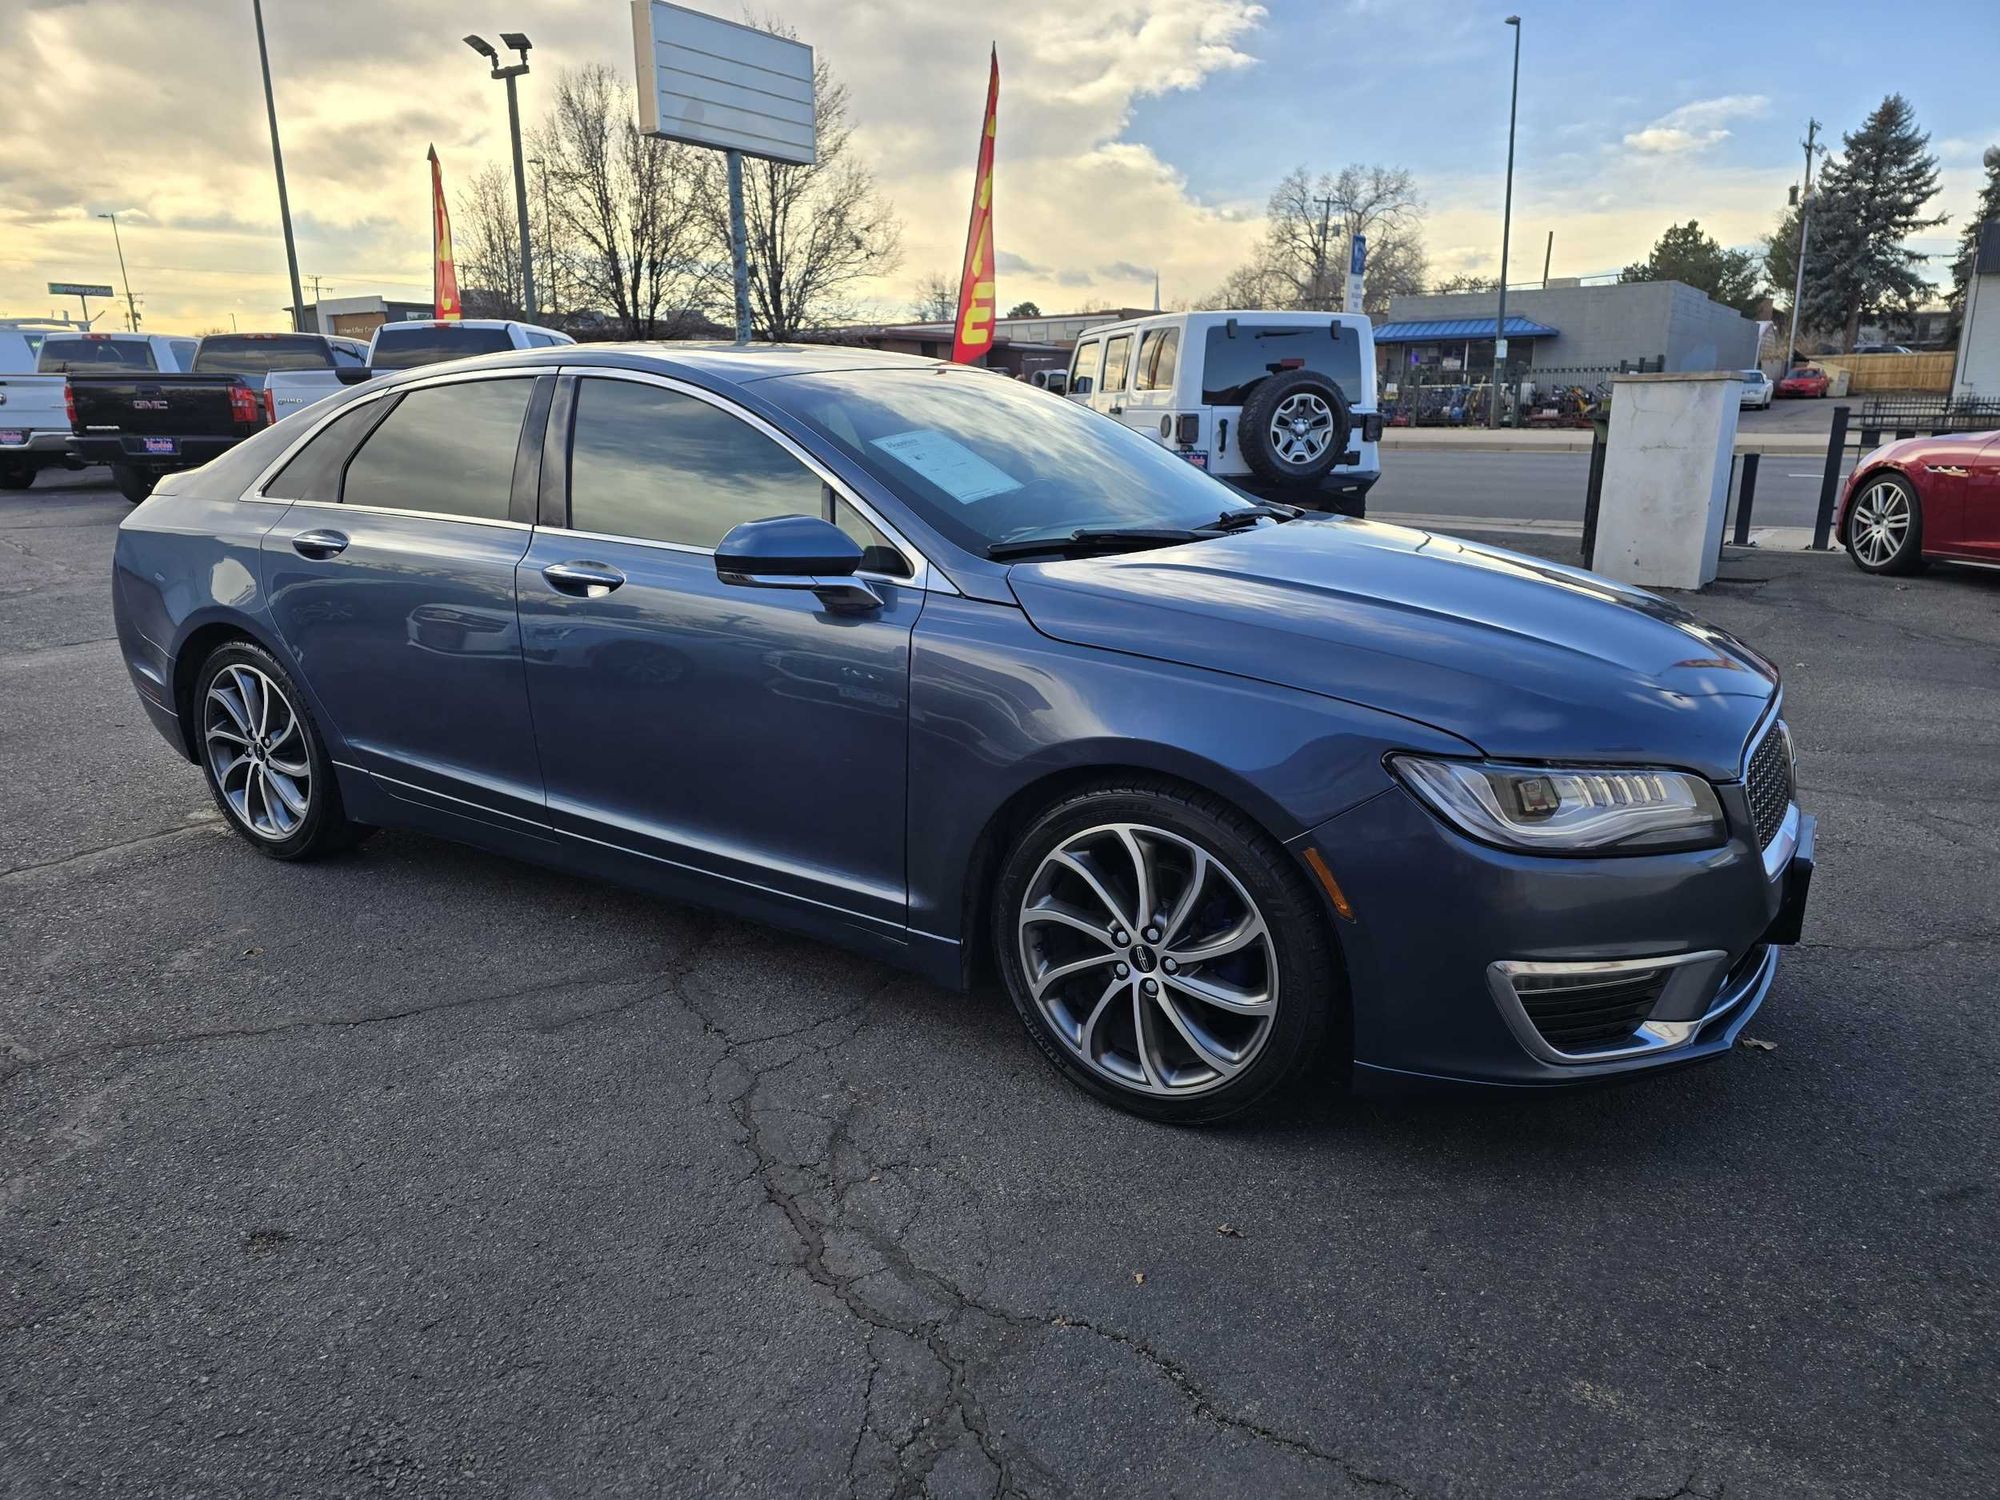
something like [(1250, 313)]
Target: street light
[(1506, 231), (520, 44), (278, 166), (131, 307)]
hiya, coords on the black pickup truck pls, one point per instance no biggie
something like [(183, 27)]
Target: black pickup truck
[(145, 424)]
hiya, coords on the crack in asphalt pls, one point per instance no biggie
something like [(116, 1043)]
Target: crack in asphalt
[(969, 1331), (199, 823)]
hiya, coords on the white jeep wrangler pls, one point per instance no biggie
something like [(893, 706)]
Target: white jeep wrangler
[(1279, 404)]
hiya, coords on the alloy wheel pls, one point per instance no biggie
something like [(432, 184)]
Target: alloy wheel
[(1149, 959), (256, 750), (1880, 523), (1301, 428)]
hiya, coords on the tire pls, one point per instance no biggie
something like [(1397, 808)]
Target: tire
[(1059, 954), (134, 484), (17, 475), (1294, 428), (1885, 528), (284, 803)]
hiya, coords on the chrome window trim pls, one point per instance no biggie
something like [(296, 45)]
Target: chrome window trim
[(924, 574), (1697, 971), (414, 515)]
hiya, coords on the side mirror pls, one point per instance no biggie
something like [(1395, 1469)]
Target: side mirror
[(797, 552)]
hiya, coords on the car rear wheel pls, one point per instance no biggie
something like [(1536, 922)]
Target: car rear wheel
[(1885, 530), (1164, 952), (266, 765), (16, 474), (133, 483)]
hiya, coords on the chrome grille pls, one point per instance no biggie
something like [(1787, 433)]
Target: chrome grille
[(1769, 781)]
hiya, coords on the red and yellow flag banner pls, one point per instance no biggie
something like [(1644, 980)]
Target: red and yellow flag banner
[(972, 336), (444, 274)]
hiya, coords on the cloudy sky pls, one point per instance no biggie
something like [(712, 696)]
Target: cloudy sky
[(1133, 136)]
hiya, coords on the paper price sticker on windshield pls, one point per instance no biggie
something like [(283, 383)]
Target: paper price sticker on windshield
[(948, 464)]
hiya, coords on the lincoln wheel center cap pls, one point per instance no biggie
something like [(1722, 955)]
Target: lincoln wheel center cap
[(1143, 960)]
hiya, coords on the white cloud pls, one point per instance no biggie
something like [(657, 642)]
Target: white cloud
[(1695, 126)]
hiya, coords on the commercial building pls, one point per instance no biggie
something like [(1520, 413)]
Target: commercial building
[(1565, 333), (358, 317)]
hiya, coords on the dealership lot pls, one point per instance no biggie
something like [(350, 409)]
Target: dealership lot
[(422, 1170)]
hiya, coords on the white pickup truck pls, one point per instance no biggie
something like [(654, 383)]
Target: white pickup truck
[(395, 346), (294, 369), (36, 357)]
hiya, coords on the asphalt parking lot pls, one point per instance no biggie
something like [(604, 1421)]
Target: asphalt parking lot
[(423, 1172)]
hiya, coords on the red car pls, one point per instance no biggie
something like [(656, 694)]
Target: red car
[(1806, 380), (1922, 498)]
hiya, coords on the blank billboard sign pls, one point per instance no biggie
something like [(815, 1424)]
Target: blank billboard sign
[(716, 83)]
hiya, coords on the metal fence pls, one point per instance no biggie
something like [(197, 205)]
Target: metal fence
[(1546, 396)]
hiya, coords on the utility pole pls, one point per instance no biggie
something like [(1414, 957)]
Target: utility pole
[(1805, 213), (131, 307), (1548, 256), (520, 44), (278, 163), (1506, 230), (1319, 247)]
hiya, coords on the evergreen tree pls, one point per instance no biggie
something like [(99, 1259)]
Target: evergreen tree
[(1686, 255), (1870, 200), (1968, 242)]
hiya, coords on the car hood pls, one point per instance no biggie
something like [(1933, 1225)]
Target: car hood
[(1523, 658)]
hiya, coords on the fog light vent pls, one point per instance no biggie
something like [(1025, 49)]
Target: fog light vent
[(1580, 1012)]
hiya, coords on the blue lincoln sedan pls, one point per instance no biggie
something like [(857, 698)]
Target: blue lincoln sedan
[(917, 659)]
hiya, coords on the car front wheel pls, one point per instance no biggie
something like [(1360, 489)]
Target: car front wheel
[(266, 765), (1164, 952), (1885, 530)]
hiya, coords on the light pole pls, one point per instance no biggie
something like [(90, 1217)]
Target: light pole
[(520, 44), (278, 162), (541, 167), (1805, 212), (131, 307), (1506, 232)]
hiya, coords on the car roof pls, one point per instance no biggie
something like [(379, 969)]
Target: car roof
[(699, 363)]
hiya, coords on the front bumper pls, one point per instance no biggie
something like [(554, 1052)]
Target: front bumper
[(1450, 935)]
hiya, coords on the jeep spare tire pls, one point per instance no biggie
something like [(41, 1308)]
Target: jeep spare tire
[(1294, 428)]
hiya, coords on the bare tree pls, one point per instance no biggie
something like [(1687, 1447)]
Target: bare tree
[(486, 240), (1308, 226), (815, 233), (624, 221), (936, 300)]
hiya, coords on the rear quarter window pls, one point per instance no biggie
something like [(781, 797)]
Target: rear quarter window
[(1232, 366)]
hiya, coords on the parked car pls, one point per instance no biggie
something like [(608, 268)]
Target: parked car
[(1279, 404), (1757, 390), (402, 346), (914, 659), (1923, 498), (1804, 380), (295, 369), (1054, 381), (147, 425), (34, 424)]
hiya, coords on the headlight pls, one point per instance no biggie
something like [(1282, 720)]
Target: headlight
[(1569, 809)]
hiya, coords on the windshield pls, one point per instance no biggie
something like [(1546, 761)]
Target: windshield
[(401, 347), (80, 356), (984, 459), (260, 354)]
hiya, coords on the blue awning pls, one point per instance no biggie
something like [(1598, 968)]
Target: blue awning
[(1439, 330)]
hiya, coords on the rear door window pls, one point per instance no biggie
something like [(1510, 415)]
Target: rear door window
[(1117, 357), (445, 450), (1232, 366), (84, 355)]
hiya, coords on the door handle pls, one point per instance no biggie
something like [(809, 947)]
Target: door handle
[(1117, 411), (319, 544), (583, 580)]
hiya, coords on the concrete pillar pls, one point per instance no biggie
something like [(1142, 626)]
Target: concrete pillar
[(1666, 477)]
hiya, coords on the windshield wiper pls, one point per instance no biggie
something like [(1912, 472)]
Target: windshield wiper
[(1233, 520), (1099, 539)]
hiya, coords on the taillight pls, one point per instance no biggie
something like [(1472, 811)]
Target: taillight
[(69, 402), (270, 406), (243, 405)]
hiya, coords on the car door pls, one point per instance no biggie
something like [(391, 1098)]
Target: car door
[(1980, 524), (1152, 382), (1109, 397), (1946, 471), (1085, 366), (391, 582), (744, 733)]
